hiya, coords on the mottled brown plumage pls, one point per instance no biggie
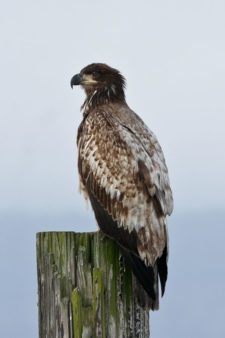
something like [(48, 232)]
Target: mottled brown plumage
[(123, 173)]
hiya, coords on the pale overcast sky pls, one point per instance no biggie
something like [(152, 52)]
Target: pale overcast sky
[(172, 54)]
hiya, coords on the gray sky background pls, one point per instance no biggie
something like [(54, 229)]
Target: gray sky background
[(172, 54)]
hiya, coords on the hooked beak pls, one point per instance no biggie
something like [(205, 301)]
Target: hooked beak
[(76, 80)]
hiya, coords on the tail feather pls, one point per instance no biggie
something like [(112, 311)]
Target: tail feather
[(147, 276), (162, 269)]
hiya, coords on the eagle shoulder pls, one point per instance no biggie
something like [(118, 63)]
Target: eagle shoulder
[(154, 171)]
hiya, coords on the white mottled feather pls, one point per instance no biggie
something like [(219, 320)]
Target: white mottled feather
[(110, 148)]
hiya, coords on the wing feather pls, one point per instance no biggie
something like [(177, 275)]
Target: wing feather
[(127, 174)]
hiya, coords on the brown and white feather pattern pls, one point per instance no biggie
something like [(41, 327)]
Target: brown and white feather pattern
[(125, 167)]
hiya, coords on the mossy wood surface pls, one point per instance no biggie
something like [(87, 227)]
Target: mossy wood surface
[(85, 290)]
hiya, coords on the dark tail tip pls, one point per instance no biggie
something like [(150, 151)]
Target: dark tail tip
[(162, 269), (147, 277)]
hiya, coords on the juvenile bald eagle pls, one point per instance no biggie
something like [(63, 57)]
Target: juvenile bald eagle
[(123, 172)]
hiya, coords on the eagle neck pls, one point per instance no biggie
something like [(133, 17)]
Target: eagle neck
[(102, 96)]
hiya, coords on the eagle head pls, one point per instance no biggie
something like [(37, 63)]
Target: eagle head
[(101, 81)]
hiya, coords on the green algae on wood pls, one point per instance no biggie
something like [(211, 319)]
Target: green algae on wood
[(85, 290), (76, 313)]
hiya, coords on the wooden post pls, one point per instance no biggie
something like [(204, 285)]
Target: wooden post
[(85, 290)]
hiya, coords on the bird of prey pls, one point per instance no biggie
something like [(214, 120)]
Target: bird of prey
[(124, 175)]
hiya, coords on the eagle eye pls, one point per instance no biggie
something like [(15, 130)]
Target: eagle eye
[(95, 73)]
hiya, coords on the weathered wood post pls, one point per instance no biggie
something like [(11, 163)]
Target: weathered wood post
[(85, 290)]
